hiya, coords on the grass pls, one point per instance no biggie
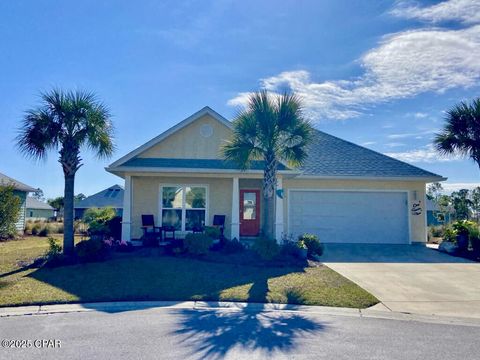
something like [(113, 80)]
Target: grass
[(137, 277)]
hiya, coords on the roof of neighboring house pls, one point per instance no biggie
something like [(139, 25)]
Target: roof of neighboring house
[(331, 156), (18, 185), (110, 197), (193, 164), (33, 203)]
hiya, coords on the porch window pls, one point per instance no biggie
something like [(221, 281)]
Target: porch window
[(184, 206)]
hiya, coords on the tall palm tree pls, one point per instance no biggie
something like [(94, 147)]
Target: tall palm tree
[(67, 122), (273, 129), (461, 133)]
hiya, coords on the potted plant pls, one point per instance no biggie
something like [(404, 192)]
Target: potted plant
[(302, 249), (462, 228)]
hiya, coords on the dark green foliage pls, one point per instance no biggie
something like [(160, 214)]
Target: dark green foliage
[(197, 244), (92, 250), (9, 212), (98, 221), (53, 256), (313, 244), (266, 248), (212, 231), (233, 246)]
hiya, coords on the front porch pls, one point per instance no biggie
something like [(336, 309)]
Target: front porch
[(189, 200)]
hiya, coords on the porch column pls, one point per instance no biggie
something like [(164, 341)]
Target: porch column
[(235, 229), (279, 210), (127, 206)]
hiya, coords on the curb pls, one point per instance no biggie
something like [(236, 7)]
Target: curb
[(377, 311)]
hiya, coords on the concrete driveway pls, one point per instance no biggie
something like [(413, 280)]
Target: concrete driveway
[(410, 278)]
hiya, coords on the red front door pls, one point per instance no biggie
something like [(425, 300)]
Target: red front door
[(249, 212)]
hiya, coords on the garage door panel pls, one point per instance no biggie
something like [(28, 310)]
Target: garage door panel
[(350, 216)]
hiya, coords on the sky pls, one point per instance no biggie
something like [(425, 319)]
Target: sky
[(378, 73)]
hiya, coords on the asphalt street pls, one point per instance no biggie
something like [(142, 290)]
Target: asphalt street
[(169, 333)]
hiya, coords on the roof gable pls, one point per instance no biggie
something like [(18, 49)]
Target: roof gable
[(32, 203), (151, 148)]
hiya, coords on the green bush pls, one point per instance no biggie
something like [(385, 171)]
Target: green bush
[(266, 248), (197, 244), (36, 228), (313, 244), (54, 254), (463, 227), (437, 231), (290, 248), (45, 230), (97, 220), (450, 235), (92, 250), (9, 212), (232, 246), (212, 231)]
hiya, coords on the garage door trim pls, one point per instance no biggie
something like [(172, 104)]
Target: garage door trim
[(407, 192)]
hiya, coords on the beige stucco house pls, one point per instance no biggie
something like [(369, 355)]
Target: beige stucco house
[(343, 193)]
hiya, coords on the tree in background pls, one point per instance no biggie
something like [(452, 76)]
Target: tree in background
[(80, 197), (67, 122), (441, 202), (38, 194), (271, 129), (461, 134), (9, 211), (475, 199), (461, 204), (56, 203)]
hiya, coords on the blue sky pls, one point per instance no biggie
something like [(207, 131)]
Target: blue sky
[(378, 73)]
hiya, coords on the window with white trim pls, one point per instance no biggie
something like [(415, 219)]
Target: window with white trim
[(183, 206)]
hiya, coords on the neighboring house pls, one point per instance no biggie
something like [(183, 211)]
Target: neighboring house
[(343, 193), (38, 210), (434, 215), (21, 190), (110, 197)]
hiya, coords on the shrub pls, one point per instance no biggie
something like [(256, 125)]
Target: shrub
[(197, 244), (28, 227), (266, 248), (313, 244), (45, 230), (37, 227), (233, 246), (437, 231), (450, 235), (463, 227), (54, 254), (98, 219), (212, 231), (59, 229), (114, 226), (92, 250), (289, 248), (9, 212)]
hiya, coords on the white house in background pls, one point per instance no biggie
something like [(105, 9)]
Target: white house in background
[(344, 193)]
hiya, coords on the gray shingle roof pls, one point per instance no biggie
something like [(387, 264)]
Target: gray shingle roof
[(33, 203), (7, 180), (192, 163), (110, 197), (332, 156)]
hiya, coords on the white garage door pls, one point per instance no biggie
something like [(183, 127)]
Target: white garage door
[(350, 216)]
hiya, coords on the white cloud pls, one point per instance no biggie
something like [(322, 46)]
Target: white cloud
[(449, 187), (368, 143), (395, 144), (417, 135), (426, 154), (420, 115), (403, 65), (466, 11)]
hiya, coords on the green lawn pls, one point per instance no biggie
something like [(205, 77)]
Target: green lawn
[(135, 277)]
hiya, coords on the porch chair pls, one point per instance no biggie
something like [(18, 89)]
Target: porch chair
[(219, 222), (168, 233), (151, 234)]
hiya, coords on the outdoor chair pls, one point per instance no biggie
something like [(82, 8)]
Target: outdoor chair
[(168, 233), (151, 234), (219, 222)]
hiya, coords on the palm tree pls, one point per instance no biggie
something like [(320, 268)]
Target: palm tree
[(273, 129), (67, 122), (461, 134)]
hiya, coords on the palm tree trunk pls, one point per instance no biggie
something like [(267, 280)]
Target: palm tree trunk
[(68, 242), (269, 185)]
